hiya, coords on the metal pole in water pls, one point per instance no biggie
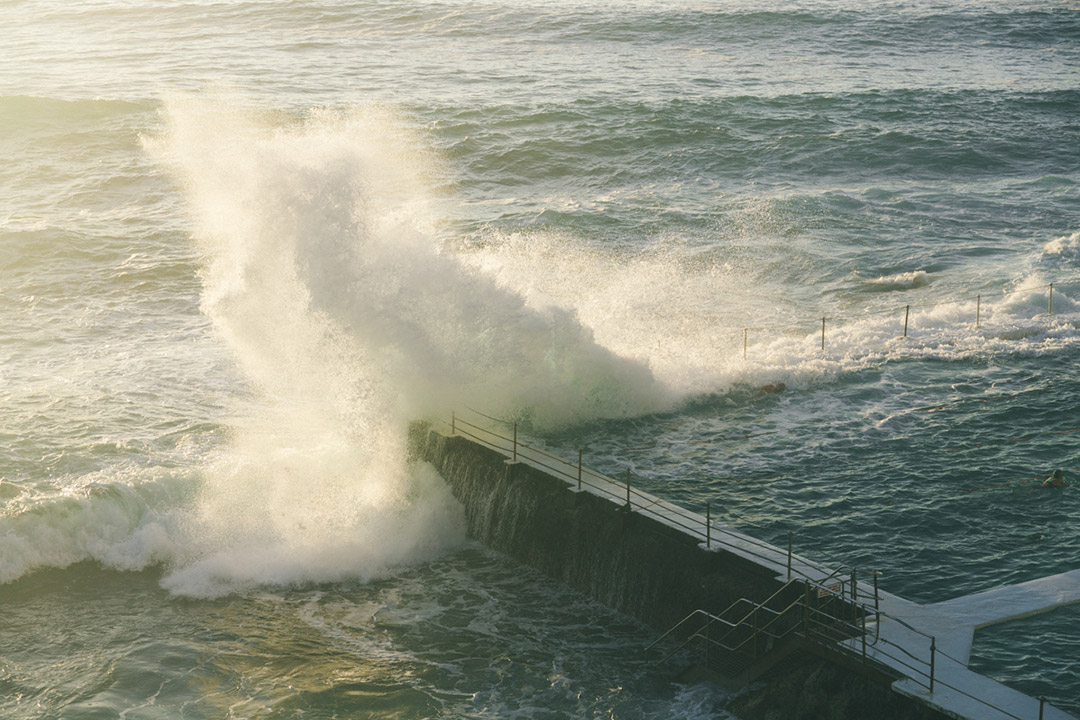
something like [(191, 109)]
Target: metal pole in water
[(907, 311), (933, 650), (1050, 306), (708, 525), (579, 469), (515, 442)]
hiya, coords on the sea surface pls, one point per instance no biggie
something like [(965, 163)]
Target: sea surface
[(243, 243)]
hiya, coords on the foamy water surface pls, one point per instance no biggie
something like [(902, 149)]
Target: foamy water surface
[(243, 244)]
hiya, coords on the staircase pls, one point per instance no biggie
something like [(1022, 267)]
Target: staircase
[(748, 638)]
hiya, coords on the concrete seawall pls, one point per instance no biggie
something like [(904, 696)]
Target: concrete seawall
[(650, 562), (627, 561)]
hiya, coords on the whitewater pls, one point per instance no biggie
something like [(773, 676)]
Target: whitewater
[(244, 244)]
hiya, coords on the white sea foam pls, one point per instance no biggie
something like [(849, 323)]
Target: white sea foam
[(683, 311), (899, 281), (1066, 245), (127, 523), (350, 320)]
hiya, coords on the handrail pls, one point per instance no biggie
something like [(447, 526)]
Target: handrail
[(685, 520), (676, 626), (846, 644), (681, 513), (781, 589), (517, 448)]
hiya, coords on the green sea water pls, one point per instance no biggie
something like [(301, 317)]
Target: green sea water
[(243, 243)]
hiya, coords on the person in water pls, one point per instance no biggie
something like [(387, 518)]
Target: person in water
[(1056, 480), (771, 389)]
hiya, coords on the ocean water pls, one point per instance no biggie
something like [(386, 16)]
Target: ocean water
[(242, 244)]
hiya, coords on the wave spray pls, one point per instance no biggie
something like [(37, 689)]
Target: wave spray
[(350, 321)]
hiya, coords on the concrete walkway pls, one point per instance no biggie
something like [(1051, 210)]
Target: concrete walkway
[(903, 638), (952, 626)]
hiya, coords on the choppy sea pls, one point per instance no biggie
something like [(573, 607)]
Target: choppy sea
[(243, 243)]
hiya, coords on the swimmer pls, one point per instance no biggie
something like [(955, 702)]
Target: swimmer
[(1056, 480), (771, 389)]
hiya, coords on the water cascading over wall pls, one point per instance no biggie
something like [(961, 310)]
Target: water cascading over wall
[(639, 566), (625, 560)]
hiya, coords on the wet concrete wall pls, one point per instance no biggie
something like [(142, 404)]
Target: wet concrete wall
[(644, 568), (625, 560)]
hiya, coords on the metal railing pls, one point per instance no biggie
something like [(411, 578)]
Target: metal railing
[(824, 582), (805, 618), (578, 476)]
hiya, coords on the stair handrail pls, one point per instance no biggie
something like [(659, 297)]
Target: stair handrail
[(679, 624)]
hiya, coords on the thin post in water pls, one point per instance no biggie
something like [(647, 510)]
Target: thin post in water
[(579, 469), (933, 651), (907, 312)]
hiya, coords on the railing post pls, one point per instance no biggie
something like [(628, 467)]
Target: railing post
[(789, 555), (515, 442), (822, 334), (708, 625), (579, 469), (806, 611), (933, 652), (907, 312), (1042, 703), (453, 423), (628, 489), (1050, 306), (755, 614), (978, 308), (744, 330), (854, 598), (864, 638), (877, 607), (708, 525)]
